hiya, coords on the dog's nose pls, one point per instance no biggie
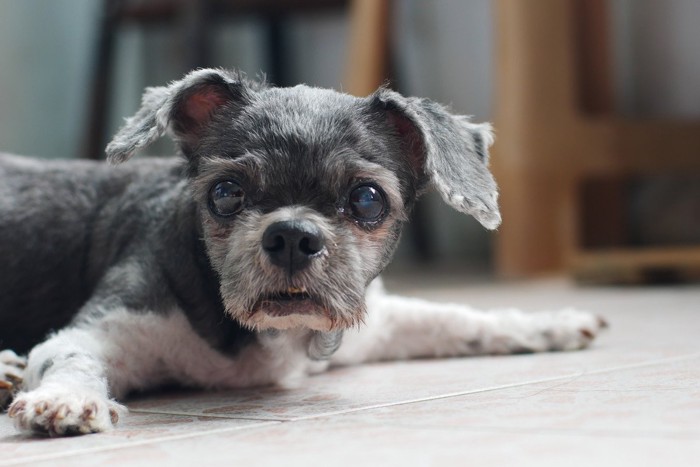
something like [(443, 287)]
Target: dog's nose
[(292, 244)]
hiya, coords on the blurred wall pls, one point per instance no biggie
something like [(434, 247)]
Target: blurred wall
[(45, 52)]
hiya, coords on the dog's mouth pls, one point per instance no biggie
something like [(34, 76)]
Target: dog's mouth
[(292, 301), (292, 293), (299, 307)]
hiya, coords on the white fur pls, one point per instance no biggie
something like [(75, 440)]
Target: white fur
[(72, 395), (125, 351), (402, 328)]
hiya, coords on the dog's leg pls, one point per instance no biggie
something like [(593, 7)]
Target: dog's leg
[(106, 352), (65, 387), (402, 328)]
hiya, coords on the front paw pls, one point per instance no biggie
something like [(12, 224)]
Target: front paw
[(64, 411)]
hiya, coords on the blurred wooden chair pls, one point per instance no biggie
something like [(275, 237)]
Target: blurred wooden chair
[(368, 52), (561, 151)]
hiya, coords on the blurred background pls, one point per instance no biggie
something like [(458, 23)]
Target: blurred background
[(596, 105)]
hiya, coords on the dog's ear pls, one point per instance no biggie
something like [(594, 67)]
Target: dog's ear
[(446, 151), (184, 108)]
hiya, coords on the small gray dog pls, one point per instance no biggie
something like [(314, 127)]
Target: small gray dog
[(243, 262)]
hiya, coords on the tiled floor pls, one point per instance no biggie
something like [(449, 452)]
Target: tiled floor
[(632, 399)]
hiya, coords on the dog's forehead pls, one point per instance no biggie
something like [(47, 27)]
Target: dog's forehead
[(305, 101), (302, 115)]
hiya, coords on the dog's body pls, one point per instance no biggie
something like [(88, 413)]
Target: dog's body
[(243, 263)]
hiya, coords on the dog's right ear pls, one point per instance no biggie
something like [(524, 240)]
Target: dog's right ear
[(446, 151), (184, 108)]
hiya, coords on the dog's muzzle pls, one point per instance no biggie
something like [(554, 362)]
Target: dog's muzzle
[(297, 275)]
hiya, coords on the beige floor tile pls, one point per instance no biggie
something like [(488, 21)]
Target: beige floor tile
[(332, 442), (133, 430), (644, 416), (349, 389), (655, 401)]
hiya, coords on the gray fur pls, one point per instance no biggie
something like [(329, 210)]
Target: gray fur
[(79, 239), (143, 128), (455, 155)]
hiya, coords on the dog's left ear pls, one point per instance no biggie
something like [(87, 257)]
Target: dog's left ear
[(184, 108), (446, 151)]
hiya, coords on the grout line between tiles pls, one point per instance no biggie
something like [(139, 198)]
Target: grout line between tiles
[(592, 433), (122, 445), (505, 386), (191, 414), (440, 396)]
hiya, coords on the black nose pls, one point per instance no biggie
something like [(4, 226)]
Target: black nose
[(291, 244)]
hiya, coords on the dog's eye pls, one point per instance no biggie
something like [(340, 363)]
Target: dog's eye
[(226, 198), (367, 203)]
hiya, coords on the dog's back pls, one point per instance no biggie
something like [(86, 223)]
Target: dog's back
[(49, 211)]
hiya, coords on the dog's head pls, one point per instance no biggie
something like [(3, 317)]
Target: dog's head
[(302, 192)]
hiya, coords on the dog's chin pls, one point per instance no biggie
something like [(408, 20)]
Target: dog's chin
[(284, 313), (290, 311)]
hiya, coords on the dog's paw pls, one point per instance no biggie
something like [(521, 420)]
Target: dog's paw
[(64, 411), (514, 331), (568, 329), (11, 375)]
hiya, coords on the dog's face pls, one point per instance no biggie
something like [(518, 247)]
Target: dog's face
[(303, 192)]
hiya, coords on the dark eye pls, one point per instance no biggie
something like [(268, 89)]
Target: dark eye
[(226, 198), (367, 203)]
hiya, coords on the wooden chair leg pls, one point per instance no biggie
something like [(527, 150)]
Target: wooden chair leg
[(368, 52)]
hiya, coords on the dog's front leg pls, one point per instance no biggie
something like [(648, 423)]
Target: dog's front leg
[(65, 386), (402, 328)]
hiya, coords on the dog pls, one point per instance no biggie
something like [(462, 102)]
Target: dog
[(252, 259)]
